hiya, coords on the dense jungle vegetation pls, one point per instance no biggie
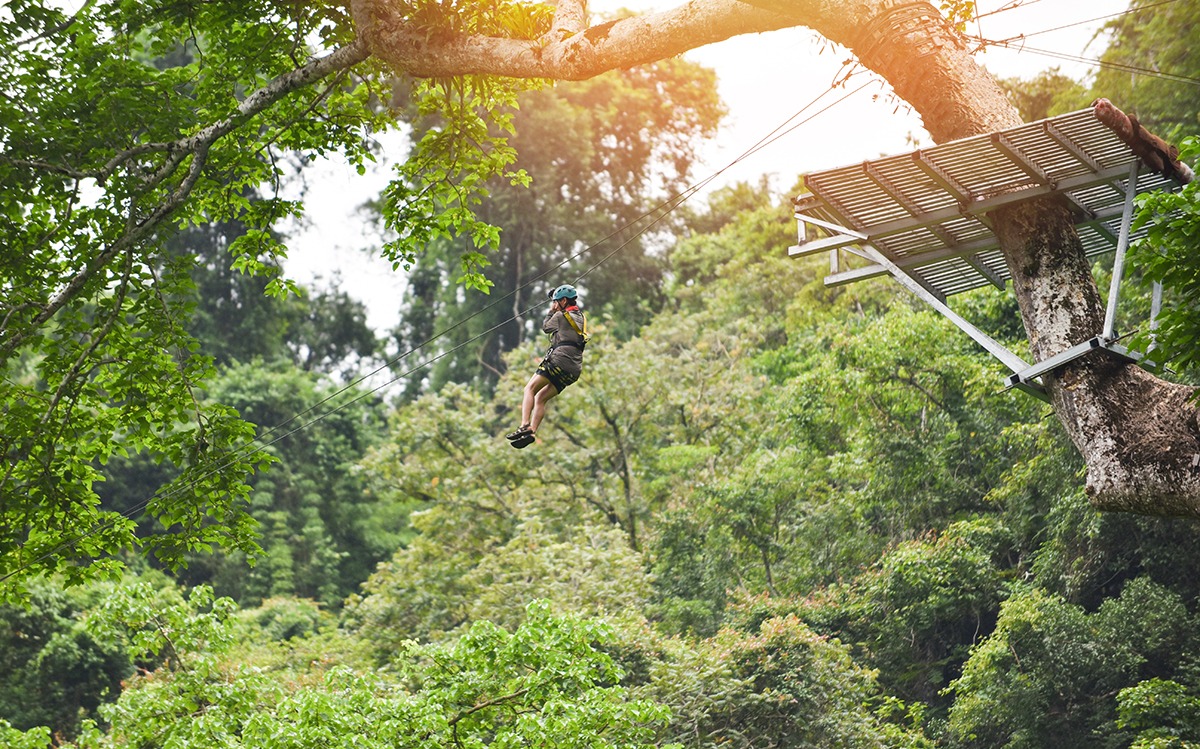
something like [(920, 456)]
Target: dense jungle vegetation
[(770, 514)]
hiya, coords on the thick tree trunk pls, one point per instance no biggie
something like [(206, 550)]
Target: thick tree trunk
[(1139, 435)]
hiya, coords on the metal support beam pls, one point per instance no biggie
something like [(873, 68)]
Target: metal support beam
[(1006, 357), (1017, 156), (1054, 362), (1155, 305), (973, 249), (1114, 290), (835, 228), (1073, 148), (941, 177), (976, 262), (1037, 391), (1101, 228), (1129, 354), (1063, 358), (841, 236), (1155, 308)]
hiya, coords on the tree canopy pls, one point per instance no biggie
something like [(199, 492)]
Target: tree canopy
[(770, 514), (125, 124), (749, 525)]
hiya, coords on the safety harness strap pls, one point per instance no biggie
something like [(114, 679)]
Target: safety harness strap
[(582, 333)]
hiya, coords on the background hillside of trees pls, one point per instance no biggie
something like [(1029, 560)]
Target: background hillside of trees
[(770, 514)]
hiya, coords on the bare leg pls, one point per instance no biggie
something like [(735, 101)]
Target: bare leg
[(539, 404), (532, 388)]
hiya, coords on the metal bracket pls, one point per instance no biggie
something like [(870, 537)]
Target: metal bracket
[(1063, 358), (1054, 362)]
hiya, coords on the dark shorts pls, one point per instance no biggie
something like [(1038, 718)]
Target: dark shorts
[(558, 376)]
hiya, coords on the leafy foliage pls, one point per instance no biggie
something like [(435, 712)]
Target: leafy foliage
[(164, 116), (236, 320), (1166, 253), (1047, 94), (57, 673), (1163, 712), (544, 682), (1050, 673), (322, 532), (597, 154), (779, 685), (438, 190)]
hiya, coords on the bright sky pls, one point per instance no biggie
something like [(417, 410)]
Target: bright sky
[(764, 79)]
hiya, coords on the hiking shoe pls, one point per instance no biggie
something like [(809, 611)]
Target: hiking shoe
[(518, 434), (525, 440)]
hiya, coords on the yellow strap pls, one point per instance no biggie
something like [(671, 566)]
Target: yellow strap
[(582, 333)]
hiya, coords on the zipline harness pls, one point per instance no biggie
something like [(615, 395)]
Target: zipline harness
[(583, 333)]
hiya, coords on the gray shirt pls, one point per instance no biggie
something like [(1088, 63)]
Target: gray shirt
[(570, 358)]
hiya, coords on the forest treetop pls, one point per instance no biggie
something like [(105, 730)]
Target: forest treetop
[(126, 122)]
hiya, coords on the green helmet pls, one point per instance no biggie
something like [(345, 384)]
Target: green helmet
[(566, 291)]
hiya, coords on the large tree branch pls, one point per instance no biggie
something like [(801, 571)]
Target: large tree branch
[(583, 54), (960, 99), (911, 45)]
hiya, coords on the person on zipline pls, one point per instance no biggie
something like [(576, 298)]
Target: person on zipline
[(560, 367)]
